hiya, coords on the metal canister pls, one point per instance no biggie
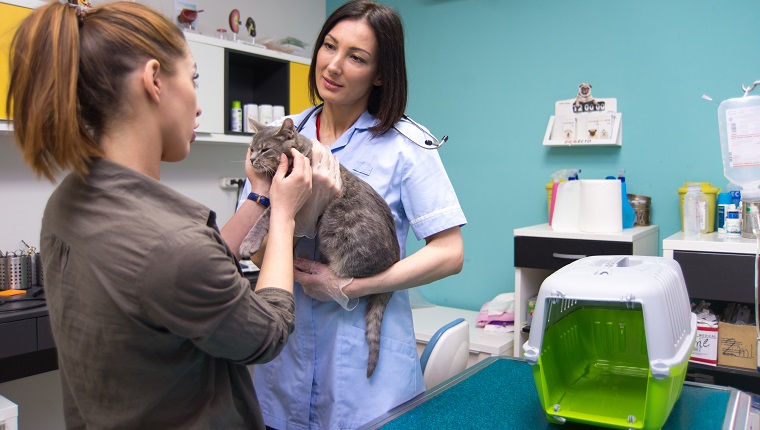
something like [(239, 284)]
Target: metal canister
[(641, 206), (18, 274), (750, 213), (36, 270), (3, 272)]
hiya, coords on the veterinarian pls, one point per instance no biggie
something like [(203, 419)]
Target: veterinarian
[(319, 380), (153, 320)]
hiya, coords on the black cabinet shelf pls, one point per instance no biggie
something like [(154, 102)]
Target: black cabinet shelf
[(252, 78), (717, 270)]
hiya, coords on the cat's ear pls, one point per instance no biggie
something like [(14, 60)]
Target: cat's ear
[(288, 129), (255, 125)]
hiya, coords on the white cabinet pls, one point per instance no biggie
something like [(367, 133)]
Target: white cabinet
[(482, 344), (210, 61), (539, 251)]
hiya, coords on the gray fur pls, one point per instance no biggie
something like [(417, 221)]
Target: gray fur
[(356, 232)]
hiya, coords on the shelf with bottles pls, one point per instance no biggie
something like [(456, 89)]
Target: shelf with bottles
[(230, 71)]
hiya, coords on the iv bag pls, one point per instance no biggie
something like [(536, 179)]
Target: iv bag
[(739, 124)]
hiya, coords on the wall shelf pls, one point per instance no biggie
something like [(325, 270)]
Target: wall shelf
[(616, 140)]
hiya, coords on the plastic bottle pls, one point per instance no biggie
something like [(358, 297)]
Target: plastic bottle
[(236, 120), (694, 211), (736, 193), (724, 206), (733, 223), (629, 215)]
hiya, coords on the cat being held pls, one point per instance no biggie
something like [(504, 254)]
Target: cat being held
[(356, 233)]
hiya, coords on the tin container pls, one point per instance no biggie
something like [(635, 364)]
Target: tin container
[(641, 206), (750, 211), (17, 272)]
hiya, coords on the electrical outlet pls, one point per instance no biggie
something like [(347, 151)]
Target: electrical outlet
[(231, 183)]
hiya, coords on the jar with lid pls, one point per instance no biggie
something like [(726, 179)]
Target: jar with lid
[(733, 225), (750, 213), (694, 211)]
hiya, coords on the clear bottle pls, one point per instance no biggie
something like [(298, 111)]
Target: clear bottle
[(694, 211)]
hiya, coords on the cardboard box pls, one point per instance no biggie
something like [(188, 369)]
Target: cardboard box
[(706, 344), (737, 345)]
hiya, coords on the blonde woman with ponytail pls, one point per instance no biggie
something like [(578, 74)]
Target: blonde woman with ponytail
[(153, 321)]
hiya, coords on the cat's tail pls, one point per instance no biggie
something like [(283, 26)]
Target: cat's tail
[(374, 320), (255, 237)]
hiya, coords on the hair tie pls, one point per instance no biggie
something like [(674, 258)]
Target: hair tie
[(82, 7)]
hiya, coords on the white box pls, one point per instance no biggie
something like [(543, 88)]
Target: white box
[(706, 345), (8, 414)]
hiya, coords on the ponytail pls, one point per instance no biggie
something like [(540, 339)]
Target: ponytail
[(43, 93), (68, 66)]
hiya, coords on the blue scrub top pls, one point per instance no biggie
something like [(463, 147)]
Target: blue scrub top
[(319, 379)]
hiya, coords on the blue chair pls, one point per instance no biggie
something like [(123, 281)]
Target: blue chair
[(447, 352)]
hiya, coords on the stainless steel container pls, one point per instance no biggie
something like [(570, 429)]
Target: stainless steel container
[(750, 210), (3, 270), (17, 272), (641, 206), (36, 270)]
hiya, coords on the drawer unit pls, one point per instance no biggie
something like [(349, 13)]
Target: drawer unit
[(552, 253), (714, 275), (717, 268), (26, 344), (18, 337)]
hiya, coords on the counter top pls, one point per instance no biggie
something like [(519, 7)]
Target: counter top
[(429, 319), (711, 242), (627, 235)]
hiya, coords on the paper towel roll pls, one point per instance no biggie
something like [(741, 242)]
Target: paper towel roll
[(601, 206)]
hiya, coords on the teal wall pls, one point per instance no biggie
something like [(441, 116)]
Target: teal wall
[(487, 73)]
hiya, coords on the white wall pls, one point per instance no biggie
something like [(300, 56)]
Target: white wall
[(301, 19), (24, 197)]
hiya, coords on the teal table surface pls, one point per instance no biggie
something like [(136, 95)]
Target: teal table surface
[(499, 393)]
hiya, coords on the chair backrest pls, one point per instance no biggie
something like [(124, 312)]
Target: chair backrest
[(447, 352)]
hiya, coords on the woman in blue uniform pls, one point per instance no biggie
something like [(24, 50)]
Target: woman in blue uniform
[(319, 380)]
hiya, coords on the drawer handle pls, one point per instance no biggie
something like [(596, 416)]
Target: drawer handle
[(568, 256)]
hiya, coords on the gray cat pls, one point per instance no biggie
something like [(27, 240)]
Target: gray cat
[(356, 233)]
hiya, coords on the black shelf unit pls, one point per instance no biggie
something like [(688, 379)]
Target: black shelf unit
[(255, 79)]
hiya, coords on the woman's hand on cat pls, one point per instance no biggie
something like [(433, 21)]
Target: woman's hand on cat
[(260, 182), (326, 184), (320, 283), (289, 193)]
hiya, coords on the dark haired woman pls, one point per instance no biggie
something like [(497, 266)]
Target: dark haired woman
[(319, 380)]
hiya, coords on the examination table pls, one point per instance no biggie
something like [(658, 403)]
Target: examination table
[(499, 393)]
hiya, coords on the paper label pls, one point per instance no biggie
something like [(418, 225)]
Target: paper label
[(743, 131), (705, 345)]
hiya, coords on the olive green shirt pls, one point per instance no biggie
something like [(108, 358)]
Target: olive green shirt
[(153, 321)]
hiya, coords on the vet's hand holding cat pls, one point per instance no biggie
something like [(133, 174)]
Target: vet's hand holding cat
[(153, 321), (319, 380)]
